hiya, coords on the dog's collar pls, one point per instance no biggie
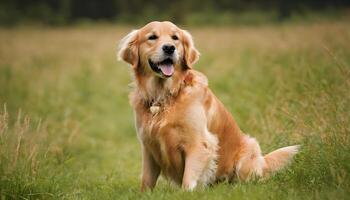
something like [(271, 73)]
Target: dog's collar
[(154, 109), (157, 105)]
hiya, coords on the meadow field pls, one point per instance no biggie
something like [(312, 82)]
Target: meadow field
[(67, 130)]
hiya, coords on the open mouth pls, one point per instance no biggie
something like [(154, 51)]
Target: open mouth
[(165, 67)]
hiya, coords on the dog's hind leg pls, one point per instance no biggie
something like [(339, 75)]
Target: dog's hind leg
[(252, 164)]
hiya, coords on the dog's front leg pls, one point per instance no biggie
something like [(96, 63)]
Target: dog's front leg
[(150, 171), (195, 162)]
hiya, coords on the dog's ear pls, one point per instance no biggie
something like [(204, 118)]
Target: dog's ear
[(128, 49), (191, 54)]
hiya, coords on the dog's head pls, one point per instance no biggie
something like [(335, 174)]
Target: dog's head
[(159, 48)]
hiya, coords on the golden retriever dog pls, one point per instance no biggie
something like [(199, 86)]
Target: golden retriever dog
[(185, 132)]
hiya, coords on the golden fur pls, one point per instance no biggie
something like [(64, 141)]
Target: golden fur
[(184, 130)]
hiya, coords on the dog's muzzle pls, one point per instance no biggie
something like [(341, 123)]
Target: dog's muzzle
[(164, 68)]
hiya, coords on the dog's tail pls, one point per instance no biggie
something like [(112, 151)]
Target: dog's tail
[(252, 164), (279, 158)]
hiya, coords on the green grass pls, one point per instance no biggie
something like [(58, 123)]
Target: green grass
[(67, 130)]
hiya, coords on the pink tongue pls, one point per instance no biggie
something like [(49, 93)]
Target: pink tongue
[(167, 69)]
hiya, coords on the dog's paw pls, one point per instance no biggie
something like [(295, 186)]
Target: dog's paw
[(190, 186)]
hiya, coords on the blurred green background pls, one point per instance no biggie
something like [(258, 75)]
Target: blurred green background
[(61, 12), (282, 68)]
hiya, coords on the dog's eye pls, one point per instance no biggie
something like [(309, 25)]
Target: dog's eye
[(174, 37), (153, 37)]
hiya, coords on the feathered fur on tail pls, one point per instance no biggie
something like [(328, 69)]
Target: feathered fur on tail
[(252, 164), (279, 158)]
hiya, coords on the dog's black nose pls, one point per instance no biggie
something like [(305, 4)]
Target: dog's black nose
[(168, 49)]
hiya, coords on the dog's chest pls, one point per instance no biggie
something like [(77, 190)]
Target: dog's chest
[(152, 122)]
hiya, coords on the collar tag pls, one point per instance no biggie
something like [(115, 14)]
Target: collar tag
[(154, 109)]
